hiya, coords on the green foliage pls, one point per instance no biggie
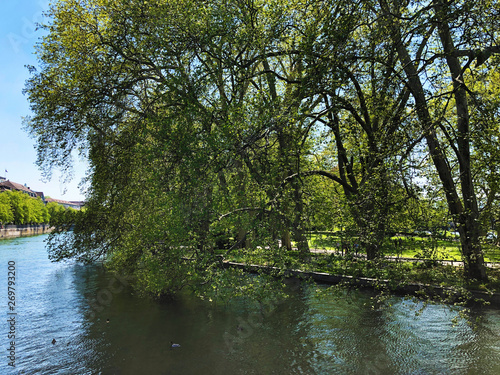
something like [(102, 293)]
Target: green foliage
[(19, 208), (56, 212), (6, 214), (237, 124)]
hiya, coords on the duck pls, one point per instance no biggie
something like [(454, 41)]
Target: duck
[(53, 341), (174, 345)]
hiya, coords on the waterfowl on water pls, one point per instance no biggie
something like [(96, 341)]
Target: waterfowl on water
[(174, 345), (53, 341)]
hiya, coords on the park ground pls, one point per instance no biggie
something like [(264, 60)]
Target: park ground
[(407, 259)]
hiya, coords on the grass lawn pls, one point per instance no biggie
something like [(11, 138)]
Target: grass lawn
[(411, 247)]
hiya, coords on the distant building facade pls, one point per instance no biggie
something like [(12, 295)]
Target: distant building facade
[(67, 204)]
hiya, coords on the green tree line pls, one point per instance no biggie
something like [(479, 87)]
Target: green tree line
[(240, 123), (19, 208)]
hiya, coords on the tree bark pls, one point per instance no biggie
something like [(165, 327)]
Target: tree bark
[(469, 227), (465, 214)]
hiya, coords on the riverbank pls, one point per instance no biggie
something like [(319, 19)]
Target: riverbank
[(14, 231), (459, 295)]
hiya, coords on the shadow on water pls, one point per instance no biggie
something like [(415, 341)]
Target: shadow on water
[(308, 333)]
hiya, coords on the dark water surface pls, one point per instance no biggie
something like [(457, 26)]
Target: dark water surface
[(306, 334)]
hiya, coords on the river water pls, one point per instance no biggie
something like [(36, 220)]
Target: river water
[(309, 333)]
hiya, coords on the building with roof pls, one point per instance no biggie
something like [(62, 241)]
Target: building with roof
[(14, 186)]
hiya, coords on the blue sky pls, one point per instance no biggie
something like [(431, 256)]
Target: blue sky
[(18, 35)]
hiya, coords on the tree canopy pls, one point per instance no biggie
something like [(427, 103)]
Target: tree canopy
[(237, 123)]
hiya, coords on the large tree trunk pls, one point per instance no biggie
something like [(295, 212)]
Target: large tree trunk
[(471, 249), (465, 214), (372, 224), (286, 241), (286, 136), (469, 228)]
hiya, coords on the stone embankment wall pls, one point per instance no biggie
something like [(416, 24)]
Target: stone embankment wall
[(364, 282), (12, 231)]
